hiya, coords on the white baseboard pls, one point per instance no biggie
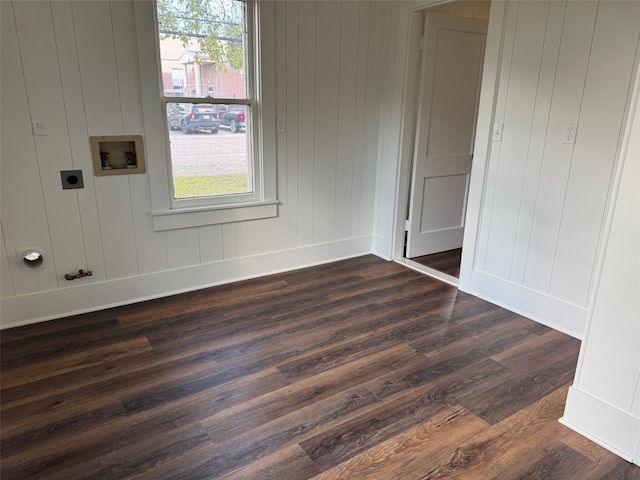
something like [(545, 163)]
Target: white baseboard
[(431, 272), (381, 248), (554, 313), (41, 306), (606, 425)]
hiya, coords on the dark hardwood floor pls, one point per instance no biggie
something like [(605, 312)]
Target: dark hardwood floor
[(447, 262), (360, 369)]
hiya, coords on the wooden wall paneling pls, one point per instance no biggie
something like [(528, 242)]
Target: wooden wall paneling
[(101, 93), (608, 374), (78, 137), (252, 237), (24, 217), (635, 409), (291, 172), (306, 118), (493, 162), (210, 244), (183, 247), (361, 102), (603, 106), (229, 241), (347, 103), (521, 97), (573, 60), (6, 282), (388, 177), (539, 133), (325, 148), (155, 147), (279, 224), (37, 41), (98, 67), (150, 246), (378, 33)]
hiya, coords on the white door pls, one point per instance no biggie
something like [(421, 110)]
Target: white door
[(452, 56)]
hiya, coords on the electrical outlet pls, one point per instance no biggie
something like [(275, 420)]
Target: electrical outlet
[(39, 124), (71, 179), (280, 124), (497, 132), (570, 133)]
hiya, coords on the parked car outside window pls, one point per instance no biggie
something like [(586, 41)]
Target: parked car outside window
[(232, 116), (193, 117)]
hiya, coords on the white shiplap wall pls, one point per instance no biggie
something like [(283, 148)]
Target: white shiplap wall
[(545, 202), (76, 62), (604, 401)]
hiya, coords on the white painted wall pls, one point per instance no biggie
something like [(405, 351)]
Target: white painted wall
[(544, 201), (76, 62), (604, 402), (536, 205)]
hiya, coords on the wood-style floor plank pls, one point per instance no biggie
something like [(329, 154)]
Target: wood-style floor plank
[(359, 369), (447, 262)]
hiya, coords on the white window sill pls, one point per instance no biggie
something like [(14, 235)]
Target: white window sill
[(212, 215)]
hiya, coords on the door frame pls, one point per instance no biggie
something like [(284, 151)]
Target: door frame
[(482, 143), (441, 165)]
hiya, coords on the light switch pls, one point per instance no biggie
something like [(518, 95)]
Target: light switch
[(280, 124)]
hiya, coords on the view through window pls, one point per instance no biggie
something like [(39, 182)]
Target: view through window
[(206, 53)]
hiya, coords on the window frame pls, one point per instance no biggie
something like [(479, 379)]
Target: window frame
[(168, 213)]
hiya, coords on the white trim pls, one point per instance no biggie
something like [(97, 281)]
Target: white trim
[(542, 308), (38, 307), (408, 54), (410, 32), (428, 271), (213, 215), (262, 203), (483, 138), (380, 248), (606, 425)]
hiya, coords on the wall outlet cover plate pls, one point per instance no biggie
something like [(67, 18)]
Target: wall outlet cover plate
[(71, 179)]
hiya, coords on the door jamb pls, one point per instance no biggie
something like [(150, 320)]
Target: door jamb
[(482, 144)]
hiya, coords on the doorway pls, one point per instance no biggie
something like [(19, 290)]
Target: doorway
[(448, 88)]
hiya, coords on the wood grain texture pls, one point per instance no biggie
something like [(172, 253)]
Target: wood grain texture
[(447, 262), (359, 369)]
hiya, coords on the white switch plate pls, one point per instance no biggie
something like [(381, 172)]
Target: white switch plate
[(497, 132), (280, 124), (570, 133), (39, 124)]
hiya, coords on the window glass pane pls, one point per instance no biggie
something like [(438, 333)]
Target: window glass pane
[(205, 41), (209, 149)]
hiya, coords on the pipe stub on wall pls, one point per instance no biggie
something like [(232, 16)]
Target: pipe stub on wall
[(32, 258)]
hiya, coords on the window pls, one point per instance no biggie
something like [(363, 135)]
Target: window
[(207, 51), (177, 80), (211, 152)]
